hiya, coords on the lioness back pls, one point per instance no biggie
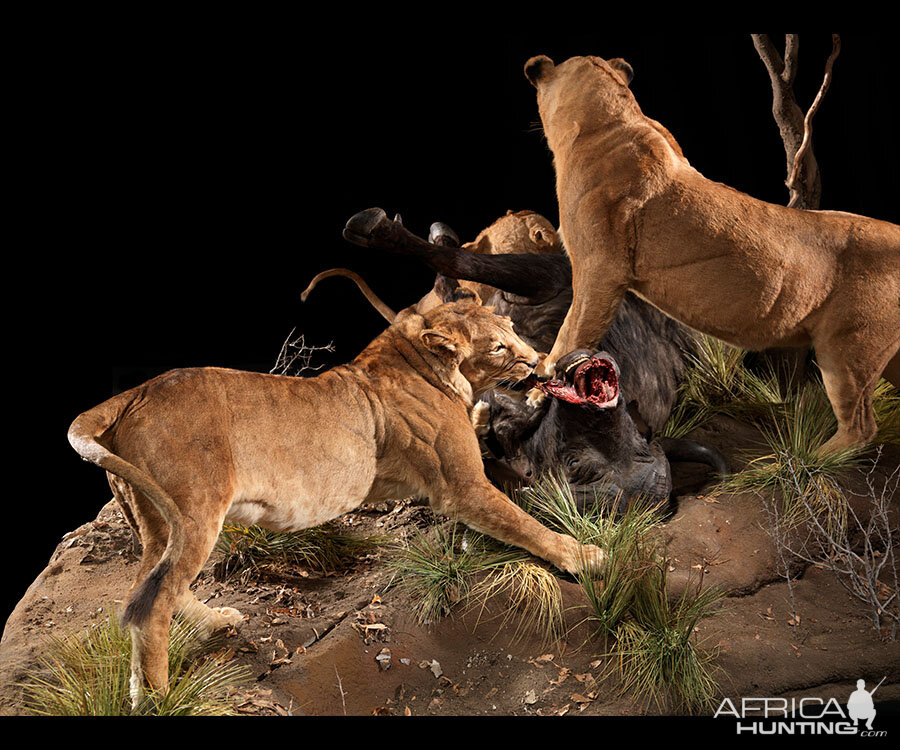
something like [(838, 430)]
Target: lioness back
[(279, 446)]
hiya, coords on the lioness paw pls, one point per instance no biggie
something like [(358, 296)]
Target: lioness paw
[(481, 415), (546, 367), (228, 617), (535, 398), (582, 558), (592, 559)]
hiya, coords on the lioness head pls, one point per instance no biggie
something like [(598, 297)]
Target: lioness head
[(590, 82), (517, 232), (482, 347)]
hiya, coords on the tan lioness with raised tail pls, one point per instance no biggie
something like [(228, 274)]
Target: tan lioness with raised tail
[(193, 447), (635, 215)]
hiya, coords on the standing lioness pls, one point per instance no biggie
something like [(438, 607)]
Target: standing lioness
[(635, 215), (193, 447)]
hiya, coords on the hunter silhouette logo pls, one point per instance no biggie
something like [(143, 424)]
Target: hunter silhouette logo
[(860, 705), (806, 715)]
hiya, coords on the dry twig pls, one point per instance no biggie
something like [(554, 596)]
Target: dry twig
[(296, 356), (862, 553)]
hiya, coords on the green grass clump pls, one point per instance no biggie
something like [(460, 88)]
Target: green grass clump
[(806, 477), (628, 543), (794, 426), (719, 382), (246, 550), (654, 652), (438, 570), (88, 675)]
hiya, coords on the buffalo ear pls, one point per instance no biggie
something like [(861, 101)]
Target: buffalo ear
[(463, 292), (449, 290), (538, 68), (622, 69)]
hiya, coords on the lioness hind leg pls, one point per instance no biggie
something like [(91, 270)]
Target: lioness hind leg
[(850, 381), (892, 371), (150, 648), (150, 638)]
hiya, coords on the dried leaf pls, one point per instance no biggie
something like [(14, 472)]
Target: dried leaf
[(564, 673)]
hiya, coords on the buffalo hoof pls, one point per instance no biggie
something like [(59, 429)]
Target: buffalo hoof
[(362, 227), (441, 234)]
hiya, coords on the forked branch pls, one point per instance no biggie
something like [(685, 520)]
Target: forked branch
[(803, 181)]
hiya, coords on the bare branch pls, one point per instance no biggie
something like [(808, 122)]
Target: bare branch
[(791, 53), (341, 690), (807, 121), (804, 182), (769, 55)]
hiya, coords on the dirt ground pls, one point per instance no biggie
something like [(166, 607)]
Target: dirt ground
[(347, 643)]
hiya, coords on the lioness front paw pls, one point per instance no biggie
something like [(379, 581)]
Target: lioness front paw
[(535, 398), (592, 559), (546, 368), (481, 417), (583, 558)]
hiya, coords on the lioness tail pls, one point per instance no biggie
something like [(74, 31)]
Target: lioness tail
[(386, 312), (84, 436)]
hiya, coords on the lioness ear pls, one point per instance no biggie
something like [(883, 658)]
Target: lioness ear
[(623, 70), (442, 343), (538, 68)]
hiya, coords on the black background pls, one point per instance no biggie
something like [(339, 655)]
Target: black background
[(181, 189)]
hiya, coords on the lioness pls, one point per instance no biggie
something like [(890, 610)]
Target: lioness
[(635, 215), (192, 447)]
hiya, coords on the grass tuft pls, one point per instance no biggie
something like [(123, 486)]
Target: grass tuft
[(794, 437), (629, 544), (533, 595), (247, 550), (654, 651), (437, 571), (719, 382), (657, 655), (886, 403), (88, 675)]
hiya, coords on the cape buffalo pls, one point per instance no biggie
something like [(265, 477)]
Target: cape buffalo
[(597, 427)]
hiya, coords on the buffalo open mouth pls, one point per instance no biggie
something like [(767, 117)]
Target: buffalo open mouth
[(588, 380)]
